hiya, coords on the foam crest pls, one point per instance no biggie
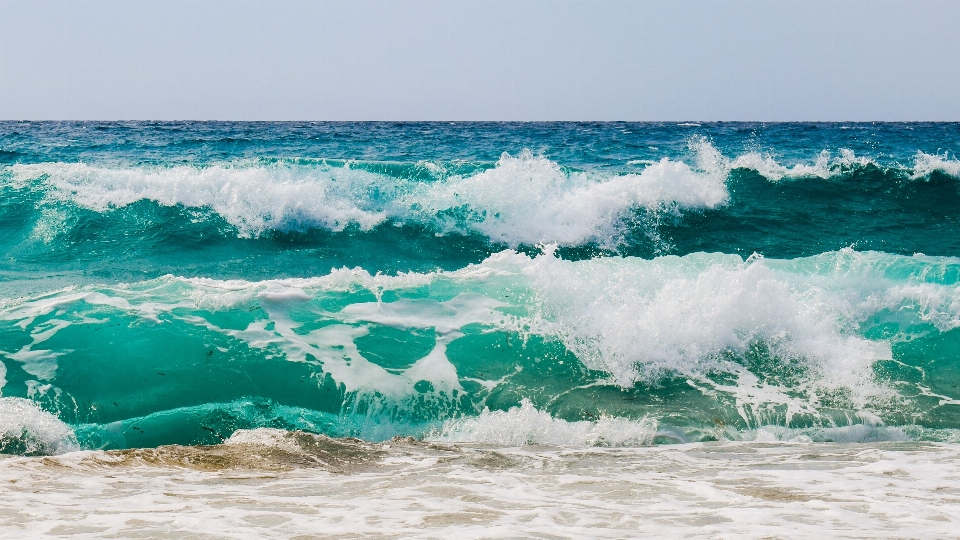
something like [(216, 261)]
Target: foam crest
[(225, 294), (525, 199), (27, 430), (262, 437), (253, 199), (525, 425), (641, 319), (856, 433), (824, 166), (926, 164), (780, 335), (529, 199)]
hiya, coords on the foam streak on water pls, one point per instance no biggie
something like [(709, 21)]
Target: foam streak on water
[(410, 490)]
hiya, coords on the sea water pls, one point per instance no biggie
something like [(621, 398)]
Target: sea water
[(596, 298)]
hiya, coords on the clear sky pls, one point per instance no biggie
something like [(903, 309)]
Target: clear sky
[(480, 59)]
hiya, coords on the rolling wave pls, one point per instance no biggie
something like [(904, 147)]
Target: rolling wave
[(521, 200), (697, 345)]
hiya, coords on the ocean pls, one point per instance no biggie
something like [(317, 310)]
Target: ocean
[(567, 310)]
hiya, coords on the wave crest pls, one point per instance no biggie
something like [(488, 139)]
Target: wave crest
[(529, 199), (927, 164), (27, 430), (775, 338), (525, 425), (525, 199), (253, 199)]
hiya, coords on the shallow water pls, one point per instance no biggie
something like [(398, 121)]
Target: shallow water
[(262, 485)]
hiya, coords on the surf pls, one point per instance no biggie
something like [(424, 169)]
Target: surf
[(708, 345)]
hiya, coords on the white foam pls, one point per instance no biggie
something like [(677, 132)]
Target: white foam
[(855, 433), (263, 437), (926, 164), (529, 199), (826, 165), (443, 317), (25, 428), (333, 346), (252, 198), (525, 425), (40, 363), (640, 320), (732, 490), (823, 167), (523, 199)]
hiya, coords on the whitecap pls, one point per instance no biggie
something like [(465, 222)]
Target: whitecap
[(27, 430), (523, 199), (529, 199), (525, 425), (926, 164)]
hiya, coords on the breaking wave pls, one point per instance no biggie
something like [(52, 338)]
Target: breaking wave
[(521, 200), (27, 430), (753, 343)]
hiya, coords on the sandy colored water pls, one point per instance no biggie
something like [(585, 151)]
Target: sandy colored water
[(305, 487)]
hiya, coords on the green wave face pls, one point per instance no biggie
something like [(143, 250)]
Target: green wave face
[(704, 346)]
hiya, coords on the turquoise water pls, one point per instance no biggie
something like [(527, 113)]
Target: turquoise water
[(170, 283)]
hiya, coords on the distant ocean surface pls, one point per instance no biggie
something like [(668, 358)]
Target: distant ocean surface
[(587, 284)]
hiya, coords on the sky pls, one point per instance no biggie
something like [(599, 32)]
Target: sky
[(649, 60)]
